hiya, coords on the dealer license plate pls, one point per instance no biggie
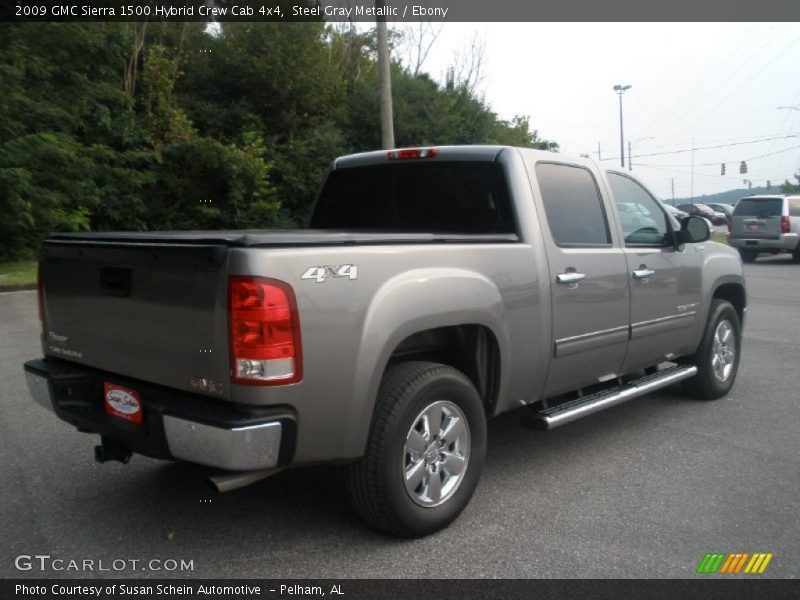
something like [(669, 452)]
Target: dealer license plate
[(122, 402)]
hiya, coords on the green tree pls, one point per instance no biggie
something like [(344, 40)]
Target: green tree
[(143, 126), (791, 188)]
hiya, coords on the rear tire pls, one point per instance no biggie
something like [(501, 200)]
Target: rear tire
[(425, 451), (748, 256), (717, 356)]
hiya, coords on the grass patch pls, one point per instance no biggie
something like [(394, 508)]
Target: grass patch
[(18, 273)]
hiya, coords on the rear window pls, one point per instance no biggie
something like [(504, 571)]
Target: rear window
[(442, 197), (759, 207)]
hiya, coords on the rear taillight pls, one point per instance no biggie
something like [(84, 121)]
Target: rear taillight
[(406, 153), (264, 331), (784, 224), (40, 300), (730, 224)]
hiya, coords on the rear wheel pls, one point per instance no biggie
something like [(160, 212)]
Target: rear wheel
[(748, 256), (796, 254), (425, 451), (717, 356)]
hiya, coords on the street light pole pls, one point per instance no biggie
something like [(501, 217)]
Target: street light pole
[(620, 89)]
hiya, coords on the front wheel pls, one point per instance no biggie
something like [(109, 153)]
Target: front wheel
[(425, 451), (717, 356)]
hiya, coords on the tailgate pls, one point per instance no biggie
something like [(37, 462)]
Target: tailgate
[(156, 312), (757, 218)]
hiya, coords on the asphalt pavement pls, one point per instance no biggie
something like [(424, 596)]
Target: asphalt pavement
[(641, 490)]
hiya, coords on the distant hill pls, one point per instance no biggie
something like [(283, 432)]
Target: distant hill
[(731, 196)]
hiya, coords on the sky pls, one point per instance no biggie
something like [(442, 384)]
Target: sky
[(701, 84)]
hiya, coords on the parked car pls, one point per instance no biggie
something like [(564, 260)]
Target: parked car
[(701, 210), (725, 209), (634, 216), (437, 287), (769, 224), (676, 212)]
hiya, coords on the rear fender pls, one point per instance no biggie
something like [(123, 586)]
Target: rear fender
[(412, 302)]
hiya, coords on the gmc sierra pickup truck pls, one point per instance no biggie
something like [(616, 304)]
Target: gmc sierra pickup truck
[(434, 288)]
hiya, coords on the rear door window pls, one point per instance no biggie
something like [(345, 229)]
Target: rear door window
[(573, 205), (759, 207)]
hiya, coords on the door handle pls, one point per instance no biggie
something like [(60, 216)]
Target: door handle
[(643, 273), (570, 277)]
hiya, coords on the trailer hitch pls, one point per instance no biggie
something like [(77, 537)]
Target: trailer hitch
[(111, 450)]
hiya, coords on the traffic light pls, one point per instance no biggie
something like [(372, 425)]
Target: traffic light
[(743, 167), (769, 184), (723, 169)]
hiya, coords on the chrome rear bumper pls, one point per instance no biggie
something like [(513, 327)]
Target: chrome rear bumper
[(243, 447)]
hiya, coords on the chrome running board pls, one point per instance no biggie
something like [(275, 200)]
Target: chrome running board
[(573, 410)]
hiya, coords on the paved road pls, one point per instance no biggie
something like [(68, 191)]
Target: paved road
[(643, 490)]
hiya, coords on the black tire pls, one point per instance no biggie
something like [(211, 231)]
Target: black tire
[(707, 385), (376, 483), (748, 256), (796, 254)]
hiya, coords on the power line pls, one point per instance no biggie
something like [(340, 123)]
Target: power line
[(665, 153), (782, 137), (764, 138), (681, 151), (638, 164), (737, 90), (705, 80)]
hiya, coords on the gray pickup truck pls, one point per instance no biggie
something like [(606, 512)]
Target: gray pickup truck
[(434, 288)]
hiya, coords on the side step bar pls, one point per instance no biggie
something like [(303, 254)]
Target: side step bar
[(573, 410)]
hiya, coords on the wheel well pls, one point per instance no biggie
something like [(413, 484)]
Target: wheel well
[(472, 349), (733, 293)]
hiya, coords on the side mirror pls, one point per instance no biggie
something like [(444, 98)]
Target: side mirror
[(694, 230)]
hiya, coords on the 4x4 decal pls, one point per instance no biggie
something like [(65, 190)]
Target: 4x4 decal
[(320, 274)]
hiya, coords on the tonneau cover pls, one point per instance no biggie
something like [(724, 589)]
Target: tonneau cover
[(276, 238)]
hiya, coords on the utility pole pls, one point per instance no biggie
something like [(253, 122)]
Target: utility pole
[(384, 79), (673, 191), (630, 157), (620, 89), (630, 151), (691, 189), (599, 156)]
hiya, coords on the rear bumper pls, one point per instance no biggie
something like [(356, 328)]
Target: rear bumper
[(175, 424), (786, 241)]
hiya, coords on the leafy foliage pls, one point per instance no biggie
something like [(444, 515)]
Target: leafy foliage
[(144, 126), (791, 188)]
